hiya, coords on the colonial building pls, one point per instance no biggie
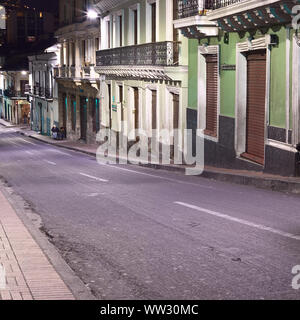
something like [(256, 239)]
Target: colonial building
[(78, 83), (15, 107), (244, 81), (25, 24), (42, 90), (143, 64)]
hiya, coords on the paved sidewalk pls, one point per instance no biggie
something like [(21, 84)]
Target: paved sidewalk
[(28, 273)]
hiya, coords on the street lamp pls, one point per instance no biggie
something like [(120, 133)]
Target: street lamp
[(92, 14)]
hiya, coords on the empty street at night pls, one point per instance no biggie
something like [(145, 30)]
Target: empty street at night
[(136, 233)]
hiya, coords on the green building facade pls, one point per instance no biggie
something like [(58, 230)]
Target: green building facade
[(244, 82)]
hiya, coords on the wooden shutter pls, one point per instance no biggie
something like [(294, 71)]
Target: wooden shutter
[(256, 99), (211, 95)]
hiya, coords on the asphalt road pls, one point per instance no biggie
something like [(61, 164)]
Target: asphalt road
[(136, 233)]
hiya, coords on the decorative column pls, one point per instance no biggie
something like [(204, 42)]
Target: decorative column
[(77, 58)]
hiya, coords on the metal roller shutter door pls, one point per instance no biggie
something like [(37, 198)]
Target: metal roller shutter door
[(211, 94), (256, 99)]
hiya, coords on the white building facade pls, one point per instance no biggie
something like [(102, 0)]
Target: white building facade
[(78, 83), (43, 90), (143, 63)]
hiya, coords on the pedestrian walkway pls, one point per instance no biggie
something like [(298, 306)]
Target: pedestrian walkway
[(25, 272)]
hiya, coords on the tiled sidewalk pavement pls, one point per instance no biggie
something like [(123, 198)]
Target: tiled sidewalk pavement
[(28, 273)]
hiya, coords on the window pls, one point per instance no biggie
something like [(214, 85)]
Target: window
[(153, 21), (120, 31), (135, 27), (108, 35), (83, 51)]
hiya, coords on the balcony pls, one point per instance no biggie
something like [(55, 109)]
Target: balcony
[(244, 15), (75, 73), (150, 54), (14, 94), (192, 18), (28, 89), (49, 93), (39, 91), (86, 72)]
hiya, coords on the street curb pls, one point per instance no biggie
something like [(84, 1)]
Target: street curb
[(279, 185), (29, 219)]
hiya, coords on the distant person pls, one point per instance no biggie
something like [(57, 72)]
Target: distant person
[(55, 132), (62, 133)]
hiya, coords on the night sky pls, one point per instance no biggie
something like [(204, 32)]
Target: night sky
[(43, 5)]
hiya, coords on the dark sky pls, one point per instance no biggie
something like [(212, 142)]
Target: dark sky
[(43, 5), (46, 5)]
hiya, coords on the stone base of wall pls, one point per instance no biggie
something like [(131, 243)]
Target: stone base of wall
[(222, 153)]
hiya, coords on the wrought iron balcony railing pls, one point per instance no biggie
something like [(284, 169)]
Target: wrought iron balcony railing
[(11, 93), (85, 72), (150, 54), (217, 4), (48, 93), (190, 8)]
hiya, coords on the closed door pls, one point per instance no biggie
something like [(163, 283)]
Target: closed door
[(41, 118), (175, 111), (211, 95), (65, 108), (109, 106), (136, 108), (154, 110), (256, 102), (121, 98), (83, 118)]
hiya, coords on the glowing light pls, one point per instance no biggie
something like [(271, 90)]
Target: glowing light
[(92, 14), (24, 73)]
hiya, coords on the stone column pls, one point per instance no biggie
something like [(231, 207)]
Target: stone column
[(62, 54), (77, 58)]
